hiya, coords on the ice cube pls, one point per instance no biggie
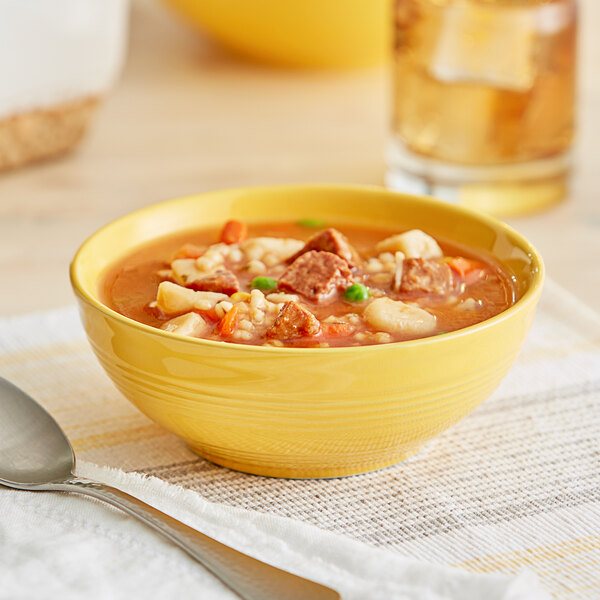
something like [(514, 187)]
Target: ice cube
[(552, 18), (486, 44)]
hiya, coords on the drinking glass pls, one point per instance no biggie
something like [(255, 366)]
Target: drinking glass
[(484, 101)]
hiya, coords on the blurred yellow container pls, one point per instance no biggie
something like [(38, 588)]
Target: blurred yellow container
[(298, 33)]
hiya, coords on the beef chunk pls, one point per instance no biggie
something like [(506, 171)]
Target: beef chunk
[(331, 240), (316, 275), (294, 321), (424, 276), (223, 282)]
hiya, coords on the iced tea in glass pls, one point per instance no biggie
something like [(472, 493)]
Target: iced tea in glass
[(484, 100)]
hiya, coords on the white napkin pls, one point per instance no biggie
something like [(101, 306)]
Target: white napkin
[(56, 545)]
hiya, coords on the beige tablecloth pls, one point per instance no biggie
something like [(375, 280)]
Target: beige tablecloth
[(516, 484)]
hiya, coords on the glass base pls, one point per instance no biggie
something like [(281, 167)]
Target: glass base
[(501, 190)]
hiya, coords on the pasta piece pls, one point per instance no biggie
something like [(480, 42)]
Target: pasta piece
[(280, 248)]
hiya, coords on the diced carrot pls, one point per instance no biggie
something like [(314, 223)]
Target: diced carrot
[(211, 315), (468, 270), (189, 251), (337, 329), (234, 232), (227, 324)]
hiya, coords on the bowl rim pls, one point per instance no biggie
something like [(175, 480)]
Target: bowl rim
[(530, 296)]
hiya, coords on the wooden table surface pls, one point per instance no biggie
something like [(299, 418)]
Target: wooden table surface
[(187, 117)]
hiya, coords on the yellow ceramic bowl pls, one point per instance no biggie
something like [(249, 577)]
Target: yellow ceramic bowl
[(301, 33), (305, 412)]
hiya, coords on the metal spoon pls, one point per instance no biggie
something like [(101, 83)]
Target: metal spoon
[(35, 455)]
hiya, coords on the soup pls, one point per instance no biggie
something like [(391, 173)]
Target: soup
[(307, 284)]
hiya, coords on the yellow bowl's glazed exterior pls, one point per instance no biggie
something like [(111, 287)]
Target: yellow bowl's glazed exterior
[(298, 33), (305, 412)]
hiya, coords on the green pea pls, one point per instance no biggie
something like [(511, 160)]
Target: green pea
[(264, 283), (311, 223), (357, 292)]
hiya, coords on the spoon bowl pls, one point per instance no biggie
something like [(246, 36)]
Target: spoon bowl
[(36, 455), (33, 447)]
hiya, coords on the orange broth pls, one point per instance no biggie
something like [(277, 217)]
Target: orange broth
[(130, 286)]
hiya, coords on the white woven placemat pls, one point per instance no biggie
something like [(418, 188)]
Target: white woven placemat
[(516, 484)]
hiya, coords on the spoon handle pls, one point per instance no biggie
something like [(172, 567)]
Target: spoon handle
[(250, 578)]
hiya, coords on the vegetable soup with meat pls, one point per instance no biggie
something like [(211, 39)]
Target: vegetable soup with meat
[(307, 284)]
